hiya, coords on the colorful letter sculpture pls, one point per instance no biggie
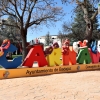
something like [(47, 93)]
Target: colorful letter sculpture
[(71, 55), (95, 56), (83, 44), (68, 54), (55, 45), (84, 56), (75, 47), (7, 47), (48, 50), (52, 60), (98, 46), (53, 55), (35, 54), (93, 46)]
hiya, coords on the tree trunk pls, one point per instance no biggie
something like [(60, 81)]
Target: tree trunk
[(89, 22), (89, 31), (24, 43)]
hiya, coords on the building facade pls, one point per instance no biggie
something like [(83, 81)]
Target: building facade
[(42, 39)]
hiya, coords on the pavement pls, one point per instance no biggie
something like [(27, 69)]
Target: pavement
[(65, 86)]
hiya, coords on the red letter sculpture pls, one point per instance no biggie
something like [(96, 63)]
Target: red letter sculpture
[(35, 54)]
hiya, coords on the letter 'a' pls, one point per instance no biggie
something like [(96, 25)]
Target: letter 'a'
[(84, 56), (35, 54), (54, 58)]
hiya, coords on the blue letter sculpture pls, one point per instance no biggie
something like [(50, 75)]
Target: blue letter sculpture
[(5, 48)]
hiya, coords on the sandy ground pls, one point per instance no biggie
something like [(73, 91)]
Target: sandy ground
[(65, 86)]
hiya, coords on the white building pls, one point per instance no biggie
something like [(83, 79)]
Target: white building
[(42, 39), (53, 37)]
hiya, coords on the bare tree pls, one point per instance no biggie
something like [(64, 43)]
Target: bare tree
[(29, 13), (89, 20)]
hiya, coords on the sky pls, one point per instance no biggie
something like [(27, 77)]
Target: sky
[(53, 30)]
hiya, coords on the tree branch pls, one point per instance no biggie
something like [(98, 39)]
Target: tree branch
[(85, 2), (8, 12), (38, 21), (17, 10), (10, 9), (25, 1), (94, 15), (29, 16), (11, 2), (78, 2), (85, 13), (82, 5)]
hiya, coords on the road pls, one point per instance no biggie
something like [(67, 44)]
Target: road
[(65, 86)]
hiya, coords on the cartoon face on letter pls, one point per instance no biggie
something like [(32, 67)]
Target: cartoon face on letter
[(75, 47), (98, 46)]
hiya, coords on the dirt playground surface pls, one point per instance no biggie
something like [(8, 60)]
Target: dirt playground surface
[(65, 86)]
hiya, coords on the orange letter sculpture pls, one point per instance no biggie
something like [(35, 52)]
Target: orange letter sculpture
[(68, 54)]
